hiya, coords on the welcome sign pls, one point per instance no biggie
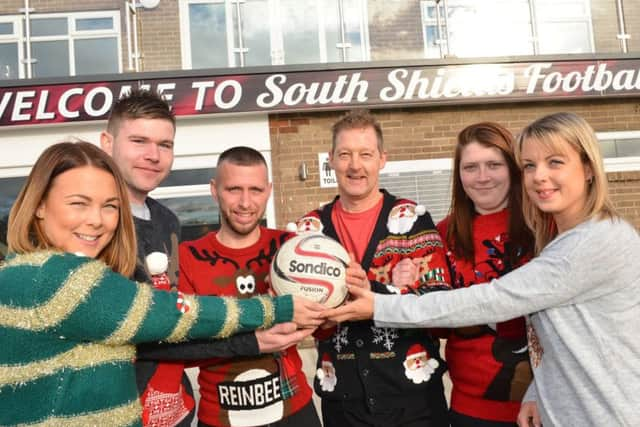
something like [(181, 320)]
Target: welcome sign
[(24, 102)]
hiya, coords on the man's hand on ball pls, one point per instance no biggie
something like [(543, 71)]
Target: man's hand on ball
[(280, 337), (355, 274), (405, 273), (306, 313)]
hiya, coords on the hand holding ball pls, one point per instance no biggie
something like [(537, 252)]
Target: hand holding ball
[(312, 266)]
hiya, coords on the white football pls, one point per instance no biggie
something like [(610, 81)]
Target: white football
[(311, 266)]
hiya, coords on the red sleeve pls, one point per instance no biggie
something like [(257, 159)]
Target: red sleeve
[(185, 284), (324, 334)]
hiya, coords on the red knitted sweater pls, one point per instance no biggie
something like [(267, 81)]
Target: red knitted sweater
[(236, 391), (488, 364)]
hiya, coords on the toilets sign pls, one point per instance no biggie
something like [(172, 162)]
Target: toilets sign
[(327, 174)]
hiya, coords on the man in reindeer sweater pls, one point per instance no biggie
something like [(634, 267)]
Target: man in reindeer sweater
[(370, 376), (270, 389)]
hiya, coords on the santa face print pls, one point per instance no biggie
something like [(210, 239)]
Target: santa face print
[(418, 366), (403, 216), (326, 374)]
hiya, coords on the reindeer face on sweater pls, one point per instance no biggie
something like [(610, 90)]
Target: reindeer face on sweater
[(239, 274), (243, 280)]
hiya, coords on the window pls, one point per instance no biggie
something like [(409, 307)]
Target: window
[(238, 33), (10, 49), (427, 182), (621, 150), (468, 28), (563, 26), (60, 44)]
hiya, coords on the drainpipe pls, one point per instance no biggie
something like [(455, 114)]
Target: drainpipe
[(27, 20), (622, 36)]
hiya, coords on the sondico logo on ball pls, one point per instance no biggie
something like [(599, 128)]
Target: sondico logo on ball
[(322, 269), (313, 266)]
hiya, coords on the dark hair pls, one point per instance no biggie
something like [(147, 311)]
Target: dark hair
[(357, 119), (461, 212), (25, 231), (242, 156), (139, 104)]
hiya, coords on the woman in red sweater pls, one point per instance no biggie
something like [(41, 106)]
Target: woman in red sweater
[(486, 237)]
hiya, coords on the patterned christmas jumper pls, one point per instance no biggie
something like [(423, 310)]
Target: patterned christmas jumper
[(68, 325), (252, 390), (379, 366), (488, 364), (165, 389)]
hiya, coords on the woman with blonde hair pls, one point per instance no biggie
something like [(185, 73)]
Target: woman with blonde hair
[(68, 315), (581, 290)]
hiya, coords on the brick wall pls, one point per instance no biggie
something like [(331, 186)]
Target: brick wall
[(395, 30), (423, 133), (605, 25), (624, 188), (159, 36), (47, 6)]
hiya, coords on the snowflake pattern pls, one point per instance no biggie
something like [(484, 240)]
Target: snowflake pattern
[(340, 338), (385, 336)]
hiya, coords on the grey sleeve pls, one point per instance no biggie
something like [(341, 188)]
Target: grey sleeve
[(542, 283), (236, 345), (581, 264)]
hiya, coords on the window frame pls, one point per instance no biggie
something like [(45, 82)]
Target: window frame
[(277, 52), (15, 38), (72, 35), (534, 21), (444, 164), (620, 164)]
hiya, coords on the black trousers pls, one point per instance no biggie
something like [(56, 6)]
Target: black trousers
[(352, 413), (460, 420), (305, 417)]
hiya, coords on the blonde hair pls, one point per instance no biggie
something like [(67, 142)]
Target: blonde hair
[(25, 231), (559, 132)]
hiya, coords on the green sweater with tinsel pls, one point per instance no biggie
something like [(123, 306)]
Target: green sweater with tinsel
[(67, 329)]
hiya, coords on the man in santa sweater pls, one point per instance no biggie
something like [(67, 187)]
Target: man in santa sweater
[(371, 376), (270, 389)]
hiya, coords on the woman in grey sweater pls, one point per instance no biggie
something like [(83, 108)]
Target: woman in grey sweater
[(581, 291)]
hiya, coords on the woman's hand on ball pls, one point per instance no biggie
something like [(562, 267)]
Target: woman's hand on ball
[(359, 308), (306, 313), (355, 274)]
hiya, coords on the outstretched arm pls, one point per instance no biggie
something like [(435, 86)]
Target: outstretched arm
[(245, 344)]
